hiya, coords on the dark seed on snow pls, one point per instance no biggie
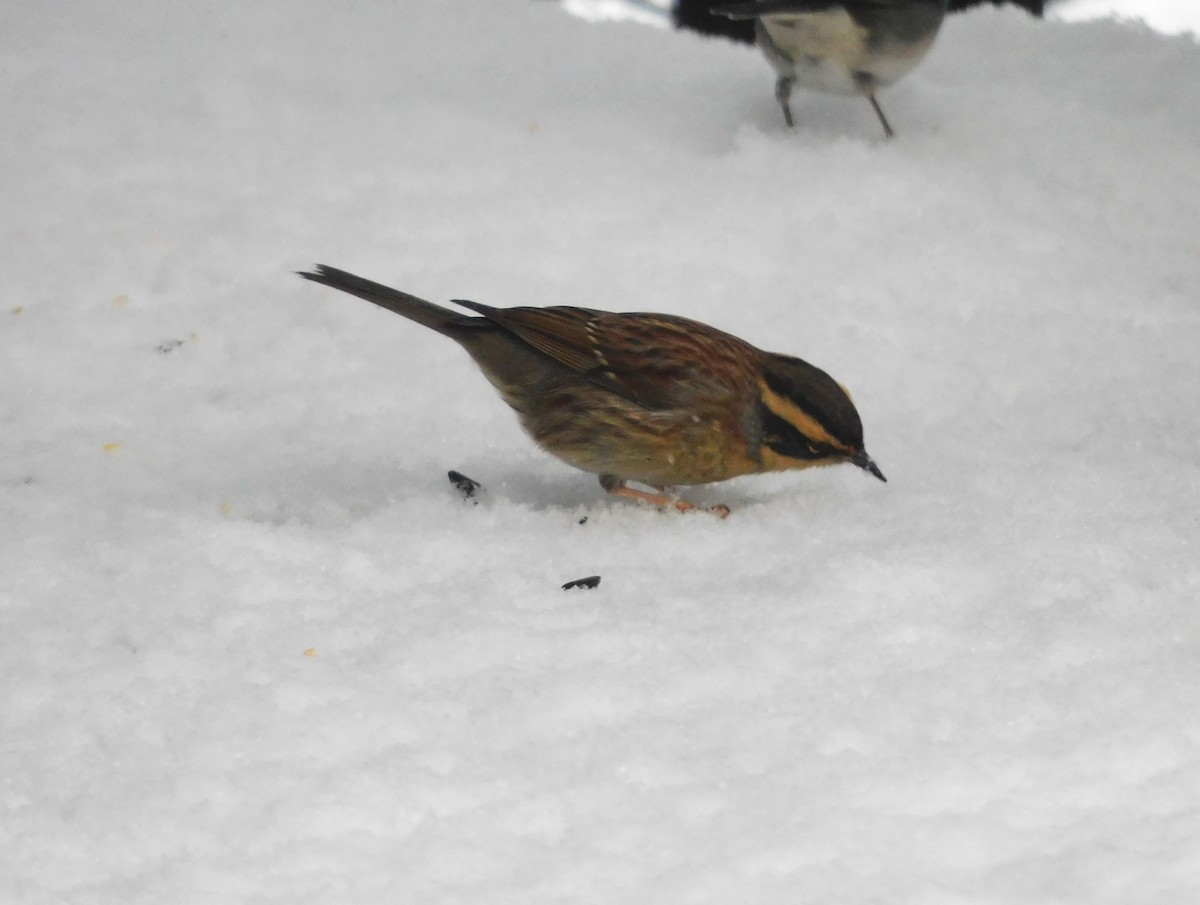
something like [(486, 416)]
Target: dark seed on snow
[(590, 582), (465, 485)]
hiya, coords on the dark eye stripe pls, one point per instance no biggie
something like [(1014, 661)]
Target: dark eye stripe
[(781, 437)]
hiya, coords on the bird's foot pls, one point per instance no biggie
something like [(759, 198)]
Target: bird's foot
[(660, 499), (783, 94), (887, 129)]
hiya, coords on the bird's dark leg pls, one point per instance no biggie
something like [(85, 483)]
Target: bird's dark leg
[(887, 130), (617, 487), (783, 94)]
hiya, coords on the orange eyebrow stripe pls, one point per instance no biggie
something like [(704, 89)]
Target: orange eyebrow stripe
[(796, 416)]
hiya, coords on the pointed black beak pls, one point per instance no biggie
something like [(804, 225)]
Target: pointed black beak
[(863, 461)]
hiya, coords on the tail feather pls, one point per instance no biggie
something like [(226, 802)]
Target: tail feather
[(430, 315)]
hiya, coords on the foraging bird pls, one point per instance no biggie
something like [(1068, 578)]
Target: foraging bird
[(840, 46), (652, 398)]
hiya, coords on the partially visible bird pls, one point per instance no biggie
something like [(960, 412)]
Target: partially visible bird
[(652, 398), (840, 46)]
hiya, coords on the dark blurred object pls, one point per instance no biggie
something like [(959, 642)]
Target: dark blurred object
[(590, 582), (465, 485), (695, 15)]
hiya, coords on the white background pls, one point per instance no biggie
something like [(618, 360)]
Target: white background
[(254, 648)]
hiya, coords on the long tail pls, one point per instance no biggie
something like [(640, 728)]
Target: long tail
[(419, 310)]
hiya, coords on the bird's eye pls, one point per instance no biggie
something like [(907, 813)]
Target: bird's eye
[(814, 449)]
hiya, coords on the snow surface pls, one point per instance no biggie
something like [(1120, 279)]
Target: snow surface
[(1170, 16), (254, 647), (648, 12)]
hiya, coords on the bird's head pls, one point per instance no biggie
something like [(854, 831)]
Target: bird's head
[(807, 418)]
